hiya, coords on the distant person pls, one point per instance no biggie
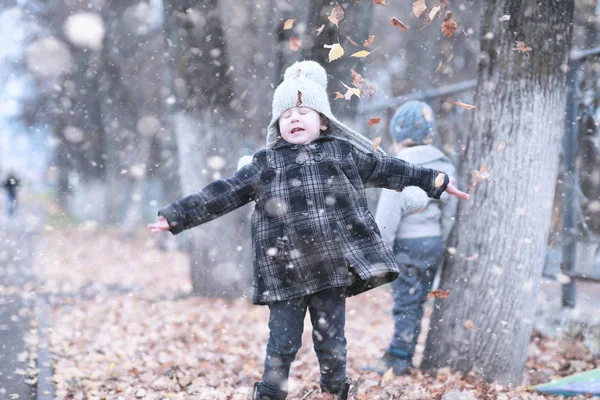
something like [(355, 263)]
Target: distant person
[(417, 238), (10, 184)]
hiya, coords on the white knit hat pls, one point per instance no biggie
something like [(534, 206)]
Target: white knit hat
[(305, 83)]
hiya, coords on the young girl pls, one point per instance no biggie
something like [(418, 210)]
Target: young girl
[(315, 241)]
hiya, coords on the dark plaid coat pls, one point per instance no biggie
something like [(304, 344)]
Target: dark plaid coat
[(311, 228)]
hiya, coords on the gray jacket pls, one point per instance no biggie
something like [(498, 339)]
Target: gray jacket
[(436, 219)]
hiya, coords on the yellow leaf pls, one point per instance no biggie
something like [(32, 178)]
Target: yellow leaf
[(419, 7), (465, 105), (295, 44), (501, 146), (288, 24), (388, 375), (376, 142), (337, 14), (336, 51), (361, 54)]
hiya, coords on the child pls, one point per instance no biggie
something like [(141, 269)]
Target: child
[(315, 242), (417, 241)]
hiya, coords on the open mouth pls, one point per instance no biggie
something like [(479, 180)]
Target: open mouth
[(296, 130)]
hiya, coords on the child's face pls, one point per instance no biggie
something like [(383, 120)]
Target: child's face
[(300, 125)]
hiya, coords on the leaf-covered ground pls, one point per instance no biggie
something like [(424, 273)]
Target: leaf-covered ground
[(123, 327)]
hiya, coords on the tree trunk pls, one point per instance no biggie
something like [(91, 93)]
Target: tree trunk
[(501, 233)]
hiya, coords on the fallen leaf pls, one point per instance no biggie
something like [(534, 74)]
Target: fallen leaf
[(465, 105), (369, 41), (388, 375), (419, 8), (295, 44), (434, 12), (504, 18), (338, 95), (398, 24), (351, 92), (473, 257), (439, 294), (374, 121), (501, 146), (336, 51), (439, 66), (337, 14), (380, 2), (376, 142), (361, 54), (288, 24), (320, 29), (520, 46), (469, 324), (449, 25), (299, 101)]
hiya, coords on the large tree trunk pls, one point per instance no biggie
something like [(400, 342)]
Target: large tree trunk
[(501, 232), (208, 139)]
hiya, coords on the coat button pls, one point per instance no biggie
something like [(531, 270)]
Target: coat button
[(318, 157), (300, 160)]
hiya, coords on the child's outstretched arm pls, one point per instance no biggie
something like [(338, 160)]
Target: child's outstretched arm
[(214, 200)]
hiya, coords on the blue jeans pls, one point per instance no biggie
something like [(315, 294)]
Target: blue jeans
[(418, 260), (328, 316)]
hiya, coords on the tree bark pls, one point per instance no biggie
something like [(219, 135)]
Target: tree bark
[(501, 233)]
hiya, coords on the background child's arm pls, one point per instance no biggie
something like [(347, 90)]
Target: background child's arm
[(389, 215), (216, 199)]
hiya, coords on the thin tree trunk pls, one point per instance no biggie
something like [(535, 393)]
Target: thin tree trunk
[(501, 232)]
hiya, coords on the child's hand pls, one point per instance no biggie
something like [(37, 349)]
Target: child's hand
[(160, 225), (454, 191)]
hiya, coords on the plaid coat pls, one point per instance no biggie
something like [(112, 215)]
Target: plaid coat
[(311, 228)]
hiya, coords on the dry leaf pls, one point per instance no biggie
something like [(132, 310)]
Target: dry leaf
[(320, 29), (473, 257), (439, 66), (504, 18), (465, 105), (520, 46), (351, 92), (288, 24), (369, 41), (295, 44), (389, 374), (482, 174), (376, 141), (419, 8), (449, 25), (434, 12), (336, 51), (352, 41), (439, 294), (337, 14), (501, 146), (361, 54), (380, 2), (338, 95), (299, 101), (374, 121), (398, 24), (469, 324), (440, 179), (356, 78)]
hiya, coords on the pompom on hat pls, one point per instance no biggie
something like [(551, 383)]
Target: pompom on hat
[(305, 84), (413, 122)]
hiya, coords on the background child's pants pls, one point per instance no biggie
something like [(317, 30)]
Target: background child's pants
[(286, 322), (418, 260)]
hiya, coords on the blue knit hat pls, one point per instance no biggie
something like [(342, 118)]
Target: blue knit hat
[(414, 121)]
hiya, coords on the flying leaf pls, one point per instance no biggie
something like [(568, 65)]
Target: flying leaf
[(361, 54), (439, 294), (356, 78), (520, 46), (434, 12), (439, 66), (449, 25), (374, 121), (337, 14), (376, 142), (336, 51), (445, 3), (320, 29), (351, 92), (419, 8), (482, 175), (299, 101), (472, 257), (398, 24), (369, 41), (469, 324), (465, 105), (501, 146), (295, 44), (338, 95), (288, 24), (352, 41), (380, 2), (504, 18)]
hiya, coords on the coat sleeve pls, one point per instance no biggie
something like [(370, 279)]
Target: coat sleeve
[(389, 215), (377, 170), (216, 199), (449, 205)]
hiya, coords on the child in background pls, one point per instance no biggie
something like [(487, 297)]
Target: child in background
[(315, 241), (418, 237)]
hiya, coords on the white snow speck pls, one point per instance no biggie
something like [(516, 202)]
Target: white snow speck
[(85, 30)]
